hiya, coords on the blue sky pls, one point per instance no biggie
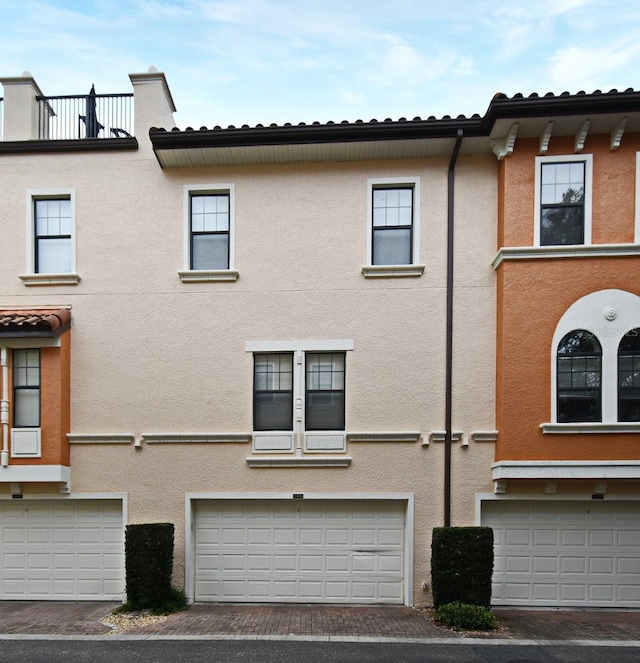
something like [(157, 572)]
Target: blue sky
[(263, 61)]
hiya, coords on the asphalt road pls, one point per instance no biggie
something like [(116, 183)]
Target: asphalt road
[(288, 651)]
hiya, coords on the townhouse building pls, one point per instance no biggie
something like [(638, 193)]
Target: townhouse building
[(567, 522), (297, 344)]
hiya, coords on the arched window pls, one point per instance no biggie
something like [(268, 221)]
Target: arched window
[(579, 375), (629, 376)]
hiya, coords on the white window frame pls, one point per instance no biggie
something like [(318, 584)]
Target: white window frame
[(609, 315), (587, 159), (300, 440), (188, 275), (415, 268), (31, 277)]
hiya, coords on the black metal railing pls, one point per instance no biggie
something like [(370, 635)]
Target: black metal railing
[(82, 116)]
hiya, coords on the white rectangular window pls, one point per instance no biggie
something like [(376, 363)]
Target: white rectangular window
[(52, 218), (209, 233), (393, 227), (210, 226), (299, 389), (563, 200)]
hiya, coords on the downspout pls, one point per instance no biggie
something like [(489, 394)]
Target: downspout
[(4, 409), (449, 333)]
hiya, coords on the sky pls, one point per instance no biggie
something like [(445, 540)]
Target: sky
[(235, 62)]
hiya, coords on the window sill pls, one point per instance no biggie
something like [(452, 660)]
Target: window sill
[(598, 427), (392, 271), (50, 279), (208, 275), (299, 461), (573, 251)]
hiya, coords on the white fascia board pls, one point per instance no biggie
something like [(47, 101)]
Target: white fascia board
[(571, 469)]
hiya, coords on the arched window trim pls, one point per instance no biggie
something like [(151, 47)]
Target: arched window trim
[(609, 315)]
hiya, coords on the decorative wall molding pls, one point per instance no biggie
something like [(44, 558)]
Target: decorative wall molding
[(197, 438), (554, 470), (440, 436), (485, 436), (503, 147), (545, 138), (409, 436), (100, 438), (576, 251)]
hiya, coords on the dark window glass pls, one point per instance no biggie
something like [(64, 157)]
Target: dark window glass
[(324, 391), (26, 388), (273, 391), (562, 203), (210, 223), (392, 226), (579, 372), (629, 376)]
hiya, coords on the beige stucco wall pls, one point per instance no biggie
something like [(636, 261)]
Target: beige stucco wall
[(152, 354)]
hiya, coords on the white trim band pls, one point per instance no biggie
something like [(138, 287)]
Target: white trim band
[(614, 427), (573, 251), (565, 469)]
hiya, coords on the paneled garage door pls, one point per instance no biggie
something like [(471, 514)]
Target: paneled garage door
[(306, 551), (565, 553), (61, 550)]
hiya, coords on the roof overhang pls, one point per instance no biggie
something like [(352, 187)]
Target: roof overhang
[(315, 143), (34, 323), (505, 120)]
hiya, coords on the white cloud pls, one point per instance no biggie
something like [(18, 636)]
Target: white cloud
[(589, 68)]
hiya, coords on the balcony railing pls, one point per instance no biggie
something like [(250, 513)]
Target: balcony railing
[(85, 116)]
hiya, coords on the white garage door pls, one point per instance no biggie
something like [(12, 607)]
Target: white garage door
[(565, 553), (61, 550), (304, 551)]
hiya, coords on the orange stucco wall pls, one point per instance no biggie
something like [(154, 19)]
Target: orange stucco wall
[(614, 174), (54, 405), (533, 297), (534, 294)]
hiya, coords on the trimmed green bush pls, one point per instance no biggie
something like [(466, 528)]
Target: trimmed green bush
[(462, 565), (465, 617), (149, 565)]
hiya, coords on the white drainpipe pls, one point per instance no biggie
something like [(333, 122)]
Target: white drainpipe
[(4, 408)]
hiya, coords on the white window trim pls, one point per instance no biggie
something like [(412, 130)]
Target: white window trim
[(637, 225), (590, 313), (587, 159), (389, 271), (299, 440), (31, 277), (188, 275)]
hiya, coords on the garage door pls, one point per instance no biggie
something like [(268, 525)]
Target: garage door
[(565, 553), (307, 551), (61, 550)]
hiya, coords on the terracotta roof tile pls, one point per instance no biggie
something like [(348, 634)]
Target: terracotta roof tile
[(26, 321)]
